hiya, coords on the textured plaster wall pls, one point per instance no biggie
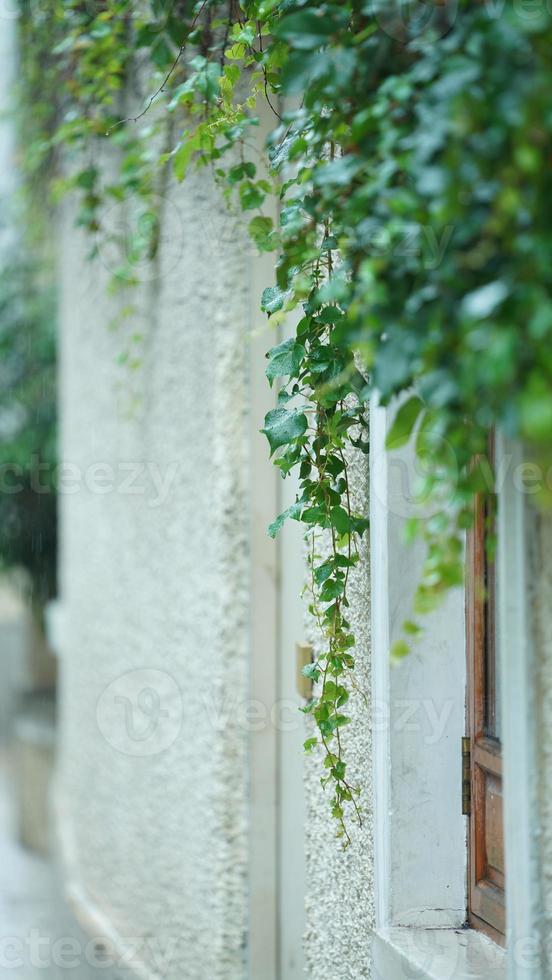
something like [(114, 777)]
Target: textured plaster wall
[(340, 910), (157, 843)]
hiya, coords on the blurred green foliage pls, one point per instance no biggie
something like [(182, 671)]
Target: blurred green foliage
[(28, 519)]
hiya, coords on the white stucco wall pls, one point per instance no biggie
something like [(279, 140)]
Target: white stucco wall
[(155, 845), (340, 900)]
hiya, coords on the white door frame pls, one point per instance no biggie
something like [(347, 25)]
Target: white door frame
[(264, 642), (277, 853)]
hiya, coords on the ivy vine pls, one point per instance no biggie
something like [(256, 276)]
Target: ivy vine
[(411, 157)]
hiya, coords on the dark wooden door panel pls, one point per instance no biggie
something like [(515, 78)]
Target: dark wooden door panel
[(486, 905), (494, 830)]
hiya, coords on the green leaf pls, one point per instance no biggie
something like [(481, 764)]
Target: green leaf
[(332, 589), (340, 520), (484, 301), (404, 422), (183, 155), (315, 515), (273, 299), (87, 178), (413, 629), (330, 314), (284, 360), (305, 30), (339, 770), (359, 524), (161, 53), (261, 230), (323, 572), (399, 650), (293, 512), (536, 411), (282, 427), (338, 721), (251, 196)]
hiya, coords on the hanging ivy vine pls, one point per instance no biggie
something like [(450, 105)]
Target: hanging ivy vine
[(411, 156)]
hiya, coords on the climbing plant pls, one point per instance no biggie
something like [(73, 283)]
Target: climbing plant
[(411, 157)]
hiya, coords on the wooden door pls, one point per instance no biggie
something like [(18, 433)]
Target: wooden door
[(486, 871)]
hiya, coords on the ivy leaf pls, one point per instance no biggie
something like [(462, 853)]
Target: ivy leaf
[(399, 650), (484, 301), (183, 155), (236, 52), (413, 629), (282, 427), (337, 173), (536, 411), (338, 721), (87, 178), (330, 314), (312, 671), (316, 515), (177, 30), (305, 30), (339, 770), (403, 423), (340, 520), (239, 171), (161, 53), (362, 444), (251, 196), (260, 229), (293, 512), (284, 360), (323, 571), (273, 299), (332, 589), (146, 35), (342, 696)]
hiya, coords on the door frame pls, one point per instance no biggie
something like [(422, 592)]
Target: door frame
[(277, 874)]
